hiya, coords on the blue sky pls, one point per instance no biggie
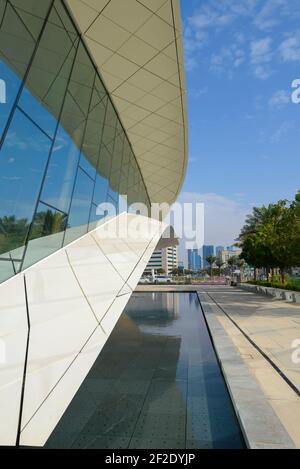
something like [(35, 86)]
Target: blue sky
[(241, 58)]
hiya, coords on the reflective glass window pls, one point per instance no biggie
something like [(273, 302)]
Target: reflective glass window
[(114, 203), (23, 159), (104, 164), (80, 208), (59, 182), (64, 160), (46, 234), (47, 80), (93, 133), (65, 151), (32, 14), (7, 269), (101, 190), (96, 217), (16, 49), (109, 130)]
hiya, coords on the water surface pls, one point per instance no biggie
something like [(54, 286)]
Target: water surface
[(156, 384)]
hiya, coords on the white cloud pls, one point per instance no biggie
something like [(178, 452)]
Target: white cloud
[(260, 56), (261, 50), (263, 71), (280, 134), (228, 58), (225, 22), (289, 49), (197, 93), (224, 217), (279, 99), (273, 12), (212, 18)]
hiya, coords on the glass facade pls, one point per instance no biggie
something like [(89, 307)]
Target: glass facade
[(63, 150)]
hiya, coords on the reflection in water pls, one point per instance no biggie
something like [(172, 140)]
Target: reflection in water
[(159, 311), (156, 384)]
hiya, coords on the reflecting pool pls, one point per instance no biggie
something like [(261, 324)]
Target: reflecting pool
[(156, 384)]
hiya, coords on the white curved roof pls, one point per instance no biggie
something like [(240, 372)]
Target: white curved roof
[(137, 47)]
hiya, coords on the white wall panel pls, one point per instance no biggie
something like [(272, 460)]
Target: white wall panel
[(61, 321), (68, 294), (45, 420), (111, 318), (119, 254), (139, 269), (13, 339), (98, 279)]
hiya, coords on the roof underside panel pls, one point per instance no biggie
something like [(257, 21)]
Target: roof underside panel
[(137, 48)]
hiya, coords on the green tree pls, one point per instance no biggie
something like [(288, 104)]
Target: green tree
[(161, 271), (270, 237), (219, 263), (13, 233), (211, 260)]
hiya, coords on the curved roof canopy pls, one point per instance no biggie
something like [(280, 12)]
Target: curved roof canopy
[(137, 47)]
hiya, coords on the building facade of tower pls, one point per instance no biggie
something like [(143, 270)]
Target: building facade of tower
[(194, 260), (208, 250), (92, 122), (219, 249), (165, 259)]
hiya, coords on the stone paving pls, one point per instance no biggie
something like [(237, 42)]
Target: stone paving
[(272, 324)]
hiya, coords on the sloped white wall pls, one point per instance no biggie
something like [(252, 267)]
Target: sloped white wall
[(74, 299)]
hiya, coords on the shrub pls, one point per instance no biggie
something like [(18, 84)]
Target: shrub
[(289, 285)]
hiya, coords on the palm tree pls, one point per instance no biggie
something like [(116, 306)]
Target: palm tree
[(232, 261), (219, 264), (211, 260)]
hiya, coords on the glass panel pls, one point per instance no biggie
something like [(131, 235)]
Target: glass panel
[(82, 81), (109, 130), (104, 164), (62, 169), (46, 234), (93, 134), (16, 48), (114, 181), (49, 74), (114, 203), (6, 269), (32, 13), (95, 220), (116, 165), (80, 207), (101, 189), (3, 5), (22, 164), (89, 134)]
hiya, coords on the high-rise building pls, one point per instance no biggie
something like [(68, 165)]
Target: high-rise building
[(165, 259), (92, 109), (219, 249), (194, 260), (226, 254), (208, 250)]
